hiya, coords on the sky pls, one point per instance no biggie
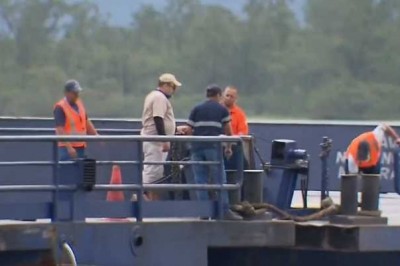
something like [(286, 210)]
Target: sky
[(120, 12)]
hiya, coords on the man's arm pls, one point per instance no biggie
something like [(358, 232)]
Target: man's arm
[(226, 122), (159, 109), (391, 132), (227, 129), (187, 129), (159, 123), (59, 118), (91, 130)]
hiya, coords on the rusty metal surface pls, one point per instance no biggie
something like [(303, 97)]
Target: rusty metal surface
[(27, 244)]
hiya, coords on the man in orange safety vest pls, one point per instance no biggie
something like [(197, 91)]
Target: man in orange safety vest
[(71, 119), (364, 152)]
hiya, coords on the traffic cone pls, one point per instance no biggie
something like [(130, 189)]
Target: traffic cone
[(116, 179)]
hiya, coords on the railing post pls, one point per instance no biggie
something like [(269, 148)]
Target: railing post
[(220, 209), (139, 204), (240, 169), (55, 196)]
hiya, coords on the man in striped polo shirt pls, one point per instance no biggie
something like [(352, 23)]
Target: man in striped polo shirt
[(210, 118)]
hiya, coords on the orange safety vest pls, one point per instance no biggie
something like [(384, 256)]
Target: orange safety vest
[(75, 123), (375, 149)]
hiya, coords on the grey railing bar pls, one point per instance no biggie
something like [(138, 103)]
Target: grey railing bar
[(49, 188), (34, 163), (32, 188), (119, 138), (46, 163), (160, 163), (190, 186), (48, 129)]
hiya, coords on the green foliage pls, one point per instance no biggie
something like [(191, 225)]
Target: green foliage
[(342, 63)]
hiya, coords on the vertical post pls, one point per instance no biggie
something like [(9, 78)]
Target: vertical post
[(326, 146), (240, 161), (232, 178), (348, 194), (55, 195), (370, 192), (139, 203), (220, 208), (240, 169), (253, 186)]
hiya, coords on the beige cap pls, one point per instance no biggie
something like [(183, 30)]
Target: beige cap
[(167, 77)]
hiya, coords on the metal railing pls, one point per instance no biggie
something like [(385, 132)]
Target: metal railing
[(56, 188)]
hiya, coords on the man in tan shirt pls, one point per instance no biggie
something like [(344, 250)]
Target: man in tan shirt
[(158, 119)]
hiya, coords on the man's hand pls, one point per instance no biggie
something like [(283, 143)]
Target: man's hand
[(165, 147), (398, 141), (183, 130), (72, 152), (228, 152)]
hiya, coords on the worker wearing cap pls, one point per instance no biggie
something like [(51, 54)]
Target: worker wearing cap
[(210, 118), (364, 152), (158, 119), (238, 123), (71, 119)]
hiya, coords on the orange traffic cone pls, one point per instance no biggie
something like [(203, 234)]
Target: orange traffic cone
[(116, 179)]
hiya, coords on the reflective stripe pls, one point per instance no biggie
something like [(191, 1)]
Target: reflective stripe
[(207, 124), (226, 119)]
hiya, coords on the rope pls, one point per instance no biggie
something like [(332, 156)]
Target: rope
[(249, 210), (70, 254)]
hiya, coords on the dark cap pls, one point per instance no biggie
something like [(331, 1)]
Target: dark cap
[(72, 86), (213, 90)]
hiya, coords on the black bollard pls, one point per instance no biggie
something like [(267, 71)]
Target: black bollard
[(253, 186), (234, 195), (370, 192), (348, 194)]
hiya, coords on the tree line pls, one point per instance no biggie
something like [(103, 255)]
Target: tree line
[(342, 63)]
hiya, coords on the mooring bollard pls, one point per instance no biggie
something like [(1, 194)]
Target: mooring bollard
[(234, 195), (370, 192), (348, 194), (253, 186)]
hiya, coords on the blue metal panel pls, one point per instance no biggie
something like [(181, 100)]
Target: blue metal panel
[(101, 209), (25, 211), (179, 209), (308, 136)]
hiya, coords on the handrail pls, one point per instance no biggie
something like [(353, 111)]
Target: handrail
[(48, 129), (59, 189), (122, 187), (52, 138), (48, 163)]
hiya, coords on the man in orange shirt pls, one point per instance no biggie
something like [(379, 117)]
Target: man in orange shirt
[(238, 122), (364, 152)]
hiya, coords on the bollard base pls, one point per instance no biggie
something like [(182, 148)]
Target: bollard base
[(266, 216), (357, 220)]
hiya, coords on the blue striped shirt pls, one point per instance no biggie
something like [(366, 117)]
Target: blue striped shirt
[(208, 119)]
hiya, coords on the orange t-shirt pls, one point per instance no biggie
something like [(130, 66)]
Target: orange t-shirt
[(238, 121)]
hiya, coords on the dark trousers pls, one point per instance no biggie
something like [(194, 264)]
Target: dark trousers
[(64, 155), (373, 170)]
